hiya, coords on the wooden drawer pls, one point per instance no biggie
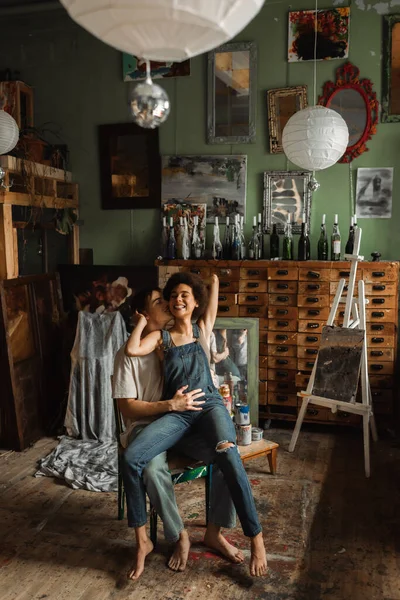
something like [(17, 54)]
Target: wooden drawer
[(381, 382), (316, 413), (311, 326), (382, 301), (306, 274), (309, 353), (262, 393), (277, 312), (253, 311), (308, 339), (282, 387), (306, 364), (283, 350), (380, 341), (314, 287), (380, 272), (280, 287), (249, 286), (312, 300), (381, 354), (263, 348), (228, 286), (227, 274), (302, 380), (381, 314), (285, 338), (283, 299), (286, 273), (282, 325), (343, 273), (225, 299), (281, 374), (344, 418), (203, 272), (228, 311), (282, 398), (381, 328), (314, 313), (380, 367), (262, 373), (253, 298), (253, 273), (371, 289), (282, 362)]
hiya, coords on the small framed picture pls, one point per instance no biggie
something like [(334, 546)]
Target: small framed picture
[(286, 192)]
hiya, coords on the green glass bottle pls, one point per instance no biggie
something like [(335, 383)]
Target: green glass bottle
[(287, 251), (323, 242)]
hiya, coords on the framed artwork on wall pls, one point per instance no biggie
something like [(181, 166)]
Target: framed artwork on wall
[(374, 193), (129, 166), (232, 90), (391, 71), (286, 192), (282, 104), (134, 69), (332, 34), (218, 181)]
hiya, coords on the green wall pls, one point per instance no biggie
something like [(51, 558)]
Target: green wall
[(78, 85)]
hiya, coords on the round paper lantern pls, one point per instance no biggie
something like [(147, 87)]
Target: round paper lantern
[(163, 30), (315, 138), (9, 132)]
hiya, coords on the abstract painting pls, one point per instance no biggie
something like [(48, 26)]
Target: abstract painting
[(217, 181), (374, 193), (134, 69), (189, 211), (286, 193), (332, 34)]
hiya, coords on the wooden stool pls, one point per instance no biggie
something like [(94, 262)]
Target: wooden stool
[(260, 448)]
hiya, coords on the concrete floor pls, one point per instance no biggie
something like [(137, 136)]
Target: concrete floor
[(330, 533)]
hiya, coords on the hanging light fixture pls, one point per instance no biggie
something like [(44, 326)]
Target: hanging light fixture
[(316, 137), (9, 132), (163, 30), (149, 103)]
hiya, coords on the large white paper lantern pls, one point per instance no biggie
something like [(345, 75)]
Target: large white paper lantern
[(9, 132), (172, 30), (315, 138)]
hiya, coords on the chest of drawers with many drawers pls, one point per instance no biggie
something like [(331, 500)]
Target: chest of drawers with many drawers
[(292, 302)]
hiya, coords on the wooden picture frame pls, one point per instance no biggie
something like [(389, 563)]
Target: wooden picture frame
[(130, 167), (282, 104), (232, 97), (390, 78), (296, 199)]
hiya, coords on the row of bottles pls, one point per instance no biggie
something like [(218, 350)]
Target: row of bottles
[(234, 246)]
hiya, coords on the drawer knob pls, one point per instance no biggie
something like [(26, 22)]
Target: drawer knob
[(282, 286), (221, 298), (376, 353), (252, 310), (313, 312), (195, 271), (378, 314), (377, 327), (225, 271), (283, 298), (378, 300), (282, 385), (282, 373), (312, 325), (281, 398), (313, 286), (282, 361), (378, 273), (281, 337), (282, 349), (283, 323), (253, 284), (311, 338), (377, 367), (253, 272), (344, 273), (309, 365), (252, 298), (282, 311), (224, 284), (377, 340), (311, 351), (282, 272), (314, 274), (312, 299), (379, 288), (223, 308), (312, 412)]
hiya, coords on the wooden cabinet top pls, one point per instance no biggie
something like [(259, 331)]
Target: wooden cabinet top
[(305, 264)]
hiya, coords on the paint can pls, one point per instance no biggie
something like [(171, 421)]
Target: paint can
[(243, 435), (242, 414), (256, 434)]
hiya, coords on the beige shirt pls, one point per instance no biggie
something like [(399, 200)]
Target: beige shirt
[(139, 377)]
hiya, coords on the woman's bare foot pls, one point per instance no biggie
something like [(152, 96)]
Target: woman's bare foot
[(214, 539), (142, 550), (179, 557), (258, 559)]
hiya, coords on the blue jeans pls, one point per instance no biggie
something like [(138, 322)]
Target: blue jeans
[(214, 424)]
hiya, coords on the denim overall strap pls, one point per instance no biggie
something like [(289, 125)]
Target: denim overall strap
[(166, 339), (196, 331)]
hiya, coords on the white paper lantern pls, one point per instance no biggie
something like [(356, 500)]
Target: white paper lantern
[(9, 132), (172, 30), (315, 138)]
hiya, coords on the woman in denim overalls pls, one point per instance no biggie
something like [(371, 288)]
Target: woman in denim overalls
[(186, 363)]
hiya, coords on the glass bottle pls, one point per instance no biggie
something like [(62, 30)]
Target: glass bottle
[(323, 242), (236, 245), (254, 243), (197, 245), (242, 238), (164, 239), (171, 252), (355, 222), (185, 240), (350, 242), (260, 238), (227, 250), (287, 250), (335, 241), (216, 250), (179, 239), (304, 242), (274, 243)]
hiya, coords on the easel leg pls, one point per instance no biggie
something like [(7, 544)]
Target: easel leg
[(366, 419), (299, 422)]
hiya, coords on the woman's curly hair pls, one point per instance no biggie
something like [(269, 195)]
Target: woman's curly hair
[(199, 290)]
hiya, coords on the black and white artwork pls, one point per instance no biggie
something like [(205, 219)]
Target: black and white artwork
[(374, 193), (286, 193)]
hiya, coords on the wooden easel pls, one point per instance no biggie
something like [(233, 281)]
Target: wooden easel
[(354, 317)]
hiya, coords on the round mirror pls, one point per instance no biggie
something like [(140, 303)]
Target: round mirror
[(350, 104)]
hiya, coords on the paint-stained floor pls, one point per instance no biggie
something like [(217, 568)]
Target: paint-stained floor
[(330, 533)]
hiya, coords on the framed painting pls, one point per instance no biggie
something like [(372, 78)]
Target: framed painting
[(374, 193), (286, 192), (232, 90), (217, 181), (391, 69), (282, 104), (332, 34), (134, 69), (129, 166)]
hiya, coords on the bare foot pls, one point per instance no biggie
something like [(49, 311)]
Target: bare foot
[(179, 557), (258, 559), (142, 551), (214, 539)]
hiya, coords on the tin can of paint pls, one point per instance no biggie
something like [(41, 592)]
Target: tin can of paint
[(243, 435), (256, 434), (242, 414)]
